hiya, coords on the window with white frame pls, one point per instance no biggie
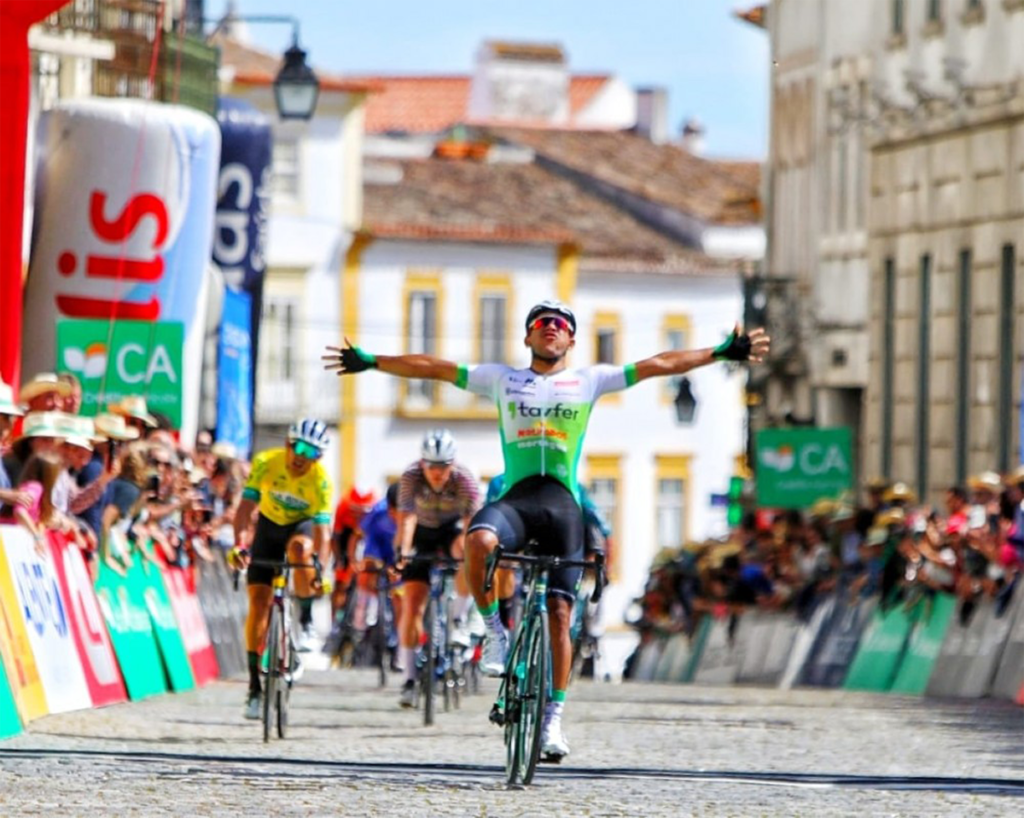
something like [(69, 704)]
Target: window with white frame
[(286, 166), (493, 327), (278, 339), (422, 339), (671, 512)]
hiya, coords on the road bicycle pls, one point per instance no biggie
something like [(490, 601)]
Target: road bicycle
[(526, 682), (440, 661), (280, 654), (380, 638)]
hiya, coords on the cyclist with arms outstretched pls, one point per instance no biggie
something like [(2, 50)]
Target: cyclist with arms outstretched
[(292, 492), (543, 412)]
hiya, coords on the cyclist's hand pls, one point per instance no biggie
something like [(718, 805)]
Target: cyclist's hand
[(740, 346), (238, 559), (348, 359)]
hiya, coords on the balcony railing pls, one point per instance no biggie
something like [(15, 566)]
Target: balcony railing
[(186, 70)]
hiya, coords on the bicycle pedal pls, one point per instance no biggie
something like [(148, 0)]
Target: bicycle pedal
[(497, 716)]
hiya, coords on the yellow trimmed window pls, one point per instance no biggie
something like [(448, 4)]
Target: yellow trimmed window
[(422, 312), (608, 344), (493, 312), (604, 482), (671, 497), (675, 335)]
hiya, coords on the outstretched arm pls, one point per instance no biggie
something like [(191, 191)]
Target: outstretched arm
[(350, 359), (752, 347)]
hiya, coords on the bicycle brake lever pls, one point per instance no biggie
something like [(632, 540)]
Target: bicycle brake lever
[(492, 565)]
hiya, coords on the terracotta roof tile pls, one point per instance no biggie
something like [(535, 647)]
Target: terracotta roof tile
[(522, 204), (253, 66), (433, 104), (717, 192)]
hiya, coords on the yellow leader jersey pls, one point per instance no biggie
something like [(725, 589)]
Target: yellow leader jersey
[(285, 499)]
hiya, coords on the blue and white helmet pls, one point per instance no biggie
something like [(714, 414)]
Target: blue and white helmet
[(311, 431), (557, 307), (438, 447)]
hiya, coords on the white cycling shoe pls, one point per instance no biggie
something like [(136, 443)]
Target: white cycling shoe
[(552, 740), (492, 662), (252, 708)]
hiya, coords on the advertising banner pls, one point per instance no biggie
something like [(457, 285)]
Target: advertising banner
[(131, 633), (932, 616), (243, 200), (124, 218), (15, 648), (10, 724), (46, 622), (797, 467), (234, 385), (146, 584), (191, 625), (836, 645), (126, 358), (102, 673), (880, 651)]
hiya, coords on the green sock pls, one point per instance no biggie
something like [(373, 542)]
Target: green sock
[(490, 610), (558, 696)]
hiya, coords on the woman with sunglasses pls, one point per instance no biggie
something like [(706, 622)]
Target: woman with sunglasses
[(543, 412), (291, 490)]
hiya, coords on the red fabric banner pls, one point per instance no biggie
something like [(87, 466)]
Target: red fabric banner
[(192, 625)]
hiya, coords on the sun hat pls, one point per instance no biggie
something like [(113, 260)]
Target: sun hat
[(133, 406), (43, 424), (7, 404), (76, 430), (899, 491), (113, 427), (986, 481), (41, 384), (225, 450)]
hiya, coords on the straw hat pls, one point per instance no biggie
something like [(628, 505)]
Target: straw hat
[(986, 481), (113, 427), (878, 484), (81, 432), (892, 516), (843, 512), (224, 450), (7, 404), (823, 507), (899, 491), (41, 384), (877, 535), (1016, 476), (134, 406), (43, 424)]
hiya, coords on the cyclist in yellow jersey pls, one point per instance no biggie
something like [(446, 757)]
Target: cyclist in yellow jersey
[(292, 492)]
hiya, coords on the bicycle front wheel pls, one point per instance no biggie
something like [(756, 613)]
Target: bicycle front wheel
[(429, 669), (535, 697), (270, 689)]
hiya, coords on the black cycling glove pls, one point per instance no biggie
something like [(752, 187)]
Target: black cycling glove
[(734, 348), (353, 359)]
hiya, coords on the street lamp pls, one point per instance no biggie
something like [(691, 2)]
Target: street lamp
[(685, 402), (296, 87)]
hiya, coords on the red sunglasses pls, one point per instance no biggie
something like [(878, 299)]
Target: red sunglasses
[(555, 321)]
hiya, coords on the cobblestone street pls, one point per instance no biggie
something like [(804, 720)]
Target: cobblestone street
[(637, 750)]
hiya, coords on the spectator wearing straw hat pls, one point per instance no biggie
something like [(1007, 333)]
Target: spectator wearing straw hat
[(72, 401), (135, 412), (110, 433), (39, 434), (9, 411), (44, 393)]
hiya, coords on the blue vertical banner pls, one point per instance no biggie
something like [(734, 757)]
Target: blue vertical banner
[(243, 199), (234, 364)]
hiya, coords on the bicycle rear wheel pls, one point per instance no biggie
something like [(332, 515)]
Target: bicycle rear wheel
[(270, 701), (535, 696), (429, 668)]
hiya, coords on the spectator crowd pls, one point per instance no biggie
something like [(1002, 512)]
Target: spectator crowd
[(890, 546), (115, 481)]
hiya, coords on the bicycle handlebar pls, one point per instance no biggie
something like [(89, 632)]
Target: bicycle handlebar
[(278, 565), (498, 555)]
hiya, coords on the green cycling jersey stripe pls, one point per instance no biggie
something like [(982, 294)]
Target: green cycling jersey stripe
[(462, 376), (630, 372)]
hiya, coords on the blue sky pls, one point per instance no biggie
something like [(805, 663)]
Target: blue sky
[(714, 66)]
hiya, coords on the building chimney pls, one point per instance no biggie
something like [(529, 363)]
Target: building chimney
[(693, 136), (652, 114), (520, 82)]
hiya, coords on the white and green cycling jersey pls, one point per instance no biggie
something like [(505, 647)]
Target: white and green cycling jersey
[(543, 418)]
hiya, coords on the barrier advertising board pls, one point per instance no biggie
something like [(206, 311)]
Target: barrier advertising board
[(145, 583), (131, 633), (19, 661), (191, 626), (880, 651), (46, 622), (102, 673), (10, 724), (932, 616)]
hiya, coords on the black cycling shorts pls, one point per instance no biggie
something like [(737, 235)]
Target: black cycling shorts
[(430, 542), (539, 509), (270, 543)]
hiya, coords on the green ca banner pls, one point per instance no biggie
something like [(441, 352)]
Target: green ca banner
[(147, 585), (796, 467), (128, 358)]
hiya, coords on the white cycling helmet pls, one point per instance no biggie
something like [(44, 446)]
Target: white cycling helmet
[(438, 447), (557, 307), (311, 431)]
